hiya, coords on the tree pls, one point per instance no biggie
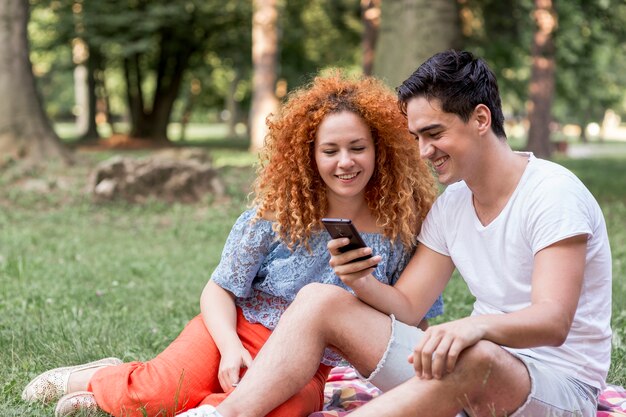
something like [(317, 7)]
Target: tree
[(264, 61), (411, 31), (151, 46), (25, 131), (370, 13), (541, 85), (590, 41)]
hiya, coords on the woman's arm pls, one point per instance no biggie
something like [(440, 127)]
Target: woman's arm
[(220, 317)]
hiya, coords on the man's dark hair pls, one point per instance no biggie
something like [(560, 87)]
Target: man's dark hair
[(460, 82)]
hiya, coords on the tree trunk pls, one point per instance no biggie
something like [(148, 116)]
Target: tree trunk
[(81, 99), (25, 131), (91, 132), (169, 79), (583, 127), (195, 87), (541, 89), (87, 60), (411, 31), (264, 61), (105, 102), (134, 95), (232, 105), (370, 14), (151, 122), (85, 93)]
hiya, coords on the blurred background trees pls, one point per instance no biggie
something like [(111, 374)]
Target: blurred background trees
[(136, 68), (24, 127)]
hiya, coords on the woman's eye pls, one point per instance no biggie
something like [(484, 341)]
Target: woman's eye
[(329, 152), (359, 148)]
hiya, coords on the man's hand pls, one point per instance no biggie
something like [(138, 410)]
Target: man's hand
[(231, 364), (351, 273), (438, 351)]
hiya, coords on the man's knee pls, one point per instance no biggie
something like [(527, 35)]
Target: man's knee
[(480, 359), (486, 366)]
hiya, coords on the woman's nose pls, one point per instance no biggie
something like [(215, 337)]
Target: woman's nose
[(345, 159)]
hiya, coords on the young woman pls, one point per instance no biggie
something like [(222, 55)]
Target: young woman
[(337, 148)]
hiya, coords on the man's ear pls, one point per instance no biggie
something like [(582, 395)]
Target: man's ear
[(482, 118)]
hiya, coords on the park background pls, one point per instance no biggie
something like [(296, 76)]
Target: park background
[(85, 81)]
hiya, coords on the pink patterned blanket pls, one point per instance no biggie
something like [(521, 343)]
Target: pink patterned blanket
[(345, 391)]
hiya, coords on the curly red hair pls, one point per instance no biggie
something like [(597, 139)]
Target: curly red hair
[(289, 188)]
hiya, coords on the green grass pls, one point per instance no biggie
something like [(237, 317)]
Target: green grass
[(80, 281)]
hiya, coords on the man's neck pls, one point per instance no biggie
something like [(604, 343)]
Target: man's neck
[(496, 180)]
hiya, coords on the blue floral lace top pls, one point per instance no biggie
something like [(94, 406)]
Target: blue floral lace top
[(264, 275)]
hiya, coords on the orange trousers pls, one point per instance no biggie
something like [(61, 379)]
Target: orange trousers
[(184, 376)]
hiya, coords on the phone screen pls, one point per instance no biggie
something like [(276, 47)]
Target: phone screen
[(338, 228)]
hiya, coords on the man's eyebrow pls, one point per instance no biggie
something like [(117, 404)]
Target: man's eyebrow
[(429, 127), (425, 129)]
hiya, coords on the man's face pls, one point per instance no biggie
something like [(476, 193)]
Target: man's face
[(444, 139)]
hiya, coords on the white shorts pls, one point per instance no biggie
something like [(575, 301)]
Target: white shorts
[(552, 393)]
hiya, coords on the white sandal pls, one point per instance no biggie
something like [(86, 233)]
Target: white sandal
[(52, 384), (83, 402)]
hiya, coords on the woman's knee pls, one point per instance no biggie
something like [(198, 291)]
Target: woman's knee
[(320, 297)]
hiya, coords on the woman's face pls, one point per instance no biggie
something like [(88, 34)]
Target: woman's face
[(345, 154)]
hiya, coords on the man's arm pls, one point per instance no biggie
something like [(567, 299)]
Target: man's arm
[(419, 285), (556, 285)]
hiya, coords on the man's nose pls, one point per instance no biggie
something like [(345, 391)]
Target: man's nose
[(426, 149)]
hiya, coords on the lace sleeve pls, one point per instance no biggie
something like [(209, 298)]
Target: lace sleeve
[(248, 243)]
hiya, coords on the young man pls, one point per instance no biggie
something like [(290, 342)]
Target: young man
[(527, 237)]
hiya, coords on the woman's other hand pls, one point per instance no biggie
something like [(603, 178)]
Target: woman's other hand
[(232, 365)]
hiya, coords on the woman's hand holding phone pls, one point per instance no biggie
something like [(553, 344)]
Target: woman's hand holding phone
[(350, 272), (350, 258)]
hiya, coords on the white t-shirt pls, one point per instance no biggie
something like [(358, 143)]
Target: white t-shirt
[(496, 261)]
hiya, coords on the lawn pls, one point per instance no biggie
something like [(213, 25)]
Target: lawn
[(80, 281)]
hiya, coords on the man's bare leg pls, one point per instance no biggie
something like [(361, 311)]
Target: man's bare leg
[(321, 315), (487, 382)]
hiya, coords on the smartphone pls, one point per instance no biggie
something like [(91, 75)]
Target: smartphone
[(338, 228)]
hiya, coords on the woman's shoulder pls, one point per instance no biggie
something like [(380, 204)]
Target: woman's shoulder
[(268, 215), (249, 219)]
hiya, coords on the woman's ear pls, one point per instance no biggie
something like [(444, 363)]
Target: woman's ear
[(482, 118)]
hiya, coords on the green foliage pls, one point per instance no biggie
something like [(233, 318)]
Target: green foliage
[(318, 34), (153, 40), (51, 56), (590, 39), (215, 34)]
